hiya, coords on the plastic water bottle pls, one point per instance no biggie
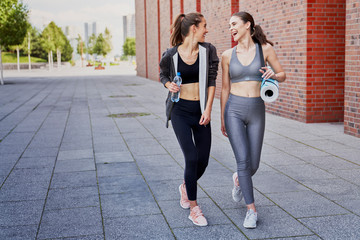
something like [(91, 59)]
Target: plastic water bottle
[(176, 96)]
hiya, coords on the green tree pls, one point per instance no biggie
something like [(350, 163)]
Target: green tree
[(108, 44), (48, 43), (90, 45), (129, 47), (100, 45), (13, 25)]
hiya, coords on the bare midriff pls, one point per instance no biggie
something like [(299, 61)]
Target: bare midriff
[(190, 91), (246, 89)]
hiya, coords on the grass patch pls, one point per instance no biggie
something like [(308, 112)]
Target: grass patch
[(128, 115), (8, 57)]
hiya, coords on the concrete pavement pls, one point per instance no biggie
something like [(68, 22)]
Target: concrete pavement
[(71, 169)]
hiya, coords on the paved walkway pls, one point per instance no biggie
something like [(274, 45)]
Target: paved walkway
[(68, 170)]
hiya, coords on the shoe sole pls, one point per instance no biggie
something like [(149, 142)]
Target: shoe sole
[(249, 227), (180, 200), (200, 225)]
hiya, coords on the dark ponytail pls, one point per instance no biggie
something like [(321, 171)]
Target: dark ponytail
[(256, 31), (181, 26)]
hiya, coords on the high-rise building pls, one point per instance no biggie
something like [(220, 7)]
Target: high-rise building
[(129, 26), (94, 28)]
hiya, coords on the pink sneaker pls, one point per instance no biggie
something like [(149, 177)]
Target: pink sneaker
[(197, 217), (184, 201)]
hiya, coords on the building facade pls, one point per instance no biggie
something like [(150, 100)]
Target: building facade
[(128, 26), (317, 42)]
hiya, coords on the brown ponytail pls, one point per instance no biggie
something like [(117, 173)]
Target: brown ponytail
[(181, 26), (256, 31)]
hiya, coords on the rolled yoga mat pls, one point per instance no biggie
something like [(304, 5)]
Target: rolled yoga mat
[(269, 90)]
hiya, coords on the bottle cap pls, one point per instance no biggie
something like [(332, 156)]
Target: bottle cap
[(178, 74)]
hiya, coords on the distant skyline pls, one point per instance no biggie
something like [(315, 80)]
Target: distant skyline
[(106, 13)]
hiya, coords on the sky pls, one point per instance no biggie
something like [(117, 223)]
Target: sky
[(106, 13)]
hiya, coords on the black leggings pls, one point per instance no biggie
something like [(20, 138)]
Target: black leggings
[(194, 140)]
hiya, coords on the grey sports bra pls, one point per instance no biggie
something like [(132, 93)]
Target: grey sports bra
[(239, 72)]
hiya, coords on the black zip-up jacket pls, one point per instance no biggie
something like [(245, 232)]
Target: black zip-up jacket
[(208, 67)]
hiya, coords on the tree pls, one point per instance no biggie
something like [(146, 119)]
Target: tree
[(129, 47), (108, 43), (100, 47), (48, 42), (13, 25), (29, 43), (90, 46)]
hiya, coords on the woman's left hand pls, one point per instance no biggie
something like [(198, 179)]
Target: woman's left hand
[(267, 73), (205, 118)]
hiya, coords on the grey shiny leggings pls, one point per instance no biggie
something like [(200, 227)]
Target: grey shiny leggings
[(245, 125)]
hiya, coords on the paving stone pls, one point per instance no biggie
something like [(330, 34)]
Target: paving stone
[(41, 152), (178, 217), (128, 204), (151, 227), (117, 169), (334, 189), (34, 163), (74, 179), (275, 183), (111, 157), (71, 222), (60, 198), (20, 213), (227, 231), (75, 154), (304, 172), (18, 232), (15, 191), (26, 175), (352, 205), (89, 237), (311, 204), (76, 165), (171, 188), (272, 223), (9, 158), (223, 197), (122, 184), (335, 227)]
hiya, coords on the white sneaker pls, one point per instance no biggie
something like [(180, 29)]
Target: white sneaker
[(236, 191), (250, 219)]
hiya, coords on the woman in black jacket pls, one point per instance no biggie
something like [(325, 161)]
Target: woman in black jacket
[(197, 63)]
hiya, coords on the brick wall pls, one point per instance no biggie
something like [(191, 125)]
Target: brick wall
[(140, 38), (325, 61), (352, 69), (284, 23), (217, 17), (309, 39)]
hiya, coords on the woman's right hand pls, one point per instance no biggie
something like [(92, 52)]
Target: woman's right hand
[(173, 87), (223, 129)]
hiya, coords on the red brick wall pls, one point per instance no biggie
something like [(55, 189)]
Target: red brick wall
[(217, 17), (140, 38), (325, 60), (152, 39), (352, 69), (164, 25), (284, 23), (308, 37)]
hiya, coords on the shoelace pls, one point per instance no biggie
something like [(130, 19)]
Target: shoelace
[(197, 212)]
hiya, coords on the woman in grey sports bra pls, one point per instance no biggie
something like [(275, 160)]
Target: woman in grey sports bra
[(242, 109)]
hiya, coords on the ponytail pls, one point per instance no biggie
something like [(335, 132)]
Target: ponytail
[(181, 26), (259, 36), (176, 37), (256, 31)]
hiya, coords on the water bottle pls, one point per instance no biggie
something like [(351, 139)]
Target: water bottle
[(176, 96)]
